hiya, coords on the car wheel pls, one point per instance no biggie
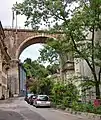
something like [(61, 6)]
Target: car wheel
[(36, 106), (31, 103)]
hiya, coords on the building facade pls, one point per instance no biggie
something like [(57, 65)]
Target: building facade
[(4, 66)]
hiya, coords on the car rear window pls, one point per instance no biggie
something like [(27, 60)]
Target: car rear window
[(43, 98), (34, 97), (29, 95)]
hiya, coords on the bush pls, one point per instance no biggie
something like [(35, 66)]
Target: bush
[(61, 107), (75, 106), (90, 108), (63, 94), (98, 110), (86, 107)]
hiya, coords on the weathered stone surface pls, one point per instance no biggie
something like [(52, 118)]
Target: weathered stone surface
[(4, 64), (17, 42)]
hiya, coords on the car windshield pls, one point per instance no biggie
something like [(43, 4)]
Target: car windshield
[(43, 98)]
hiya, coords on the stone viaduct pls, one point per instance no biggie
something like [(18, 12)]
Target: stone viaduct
[(16, 41)]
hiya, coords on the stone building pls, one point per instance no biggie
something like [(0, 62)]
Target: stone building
[(4, 65)]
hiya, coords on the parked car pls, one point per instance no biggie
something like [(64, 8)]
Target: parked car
[(42, 100), (27, 97), (31, 99)]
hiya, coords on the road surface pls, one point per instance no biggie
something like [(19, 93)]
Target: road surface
[(18, 109)]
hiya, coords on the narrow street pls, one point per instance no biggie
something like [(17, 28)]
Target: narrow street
[(18, 109)]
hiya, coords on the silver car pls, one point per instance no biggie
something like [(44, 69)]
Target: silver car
[(42, 100)]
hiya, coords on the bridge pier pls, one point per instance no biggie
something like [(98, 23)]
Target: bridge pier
[(14, 78)]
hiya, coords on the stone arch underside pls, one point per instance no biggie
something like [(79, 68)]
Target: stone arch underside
[(30, 41)]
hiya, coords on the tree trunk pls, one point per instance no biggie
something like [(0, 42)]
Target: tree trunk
[(97, 84), (97, 88)]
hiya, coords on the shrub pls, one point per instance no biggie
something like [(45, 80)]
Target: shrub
[(97, 110)]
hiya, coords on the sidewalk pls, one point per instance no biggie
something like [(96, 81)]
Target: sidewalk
[(6, 101)]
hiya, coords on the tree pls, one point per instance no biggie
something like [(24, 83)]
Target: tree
[(28, 67), (34, 69), (37, 80), (45, 86), (56, 52), (76, 24), (48, 54), (64, 93), (53, 68), (29, 82), (41, 86)]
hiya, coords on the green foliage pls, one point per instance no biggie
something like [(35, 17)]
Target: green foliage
[(47, 85), (53, 68), (86, 107), (33, 87), (37, 76), (75, 106), (48, 54), (42, 86), (39, 10), (98, 110), (64, 94), (56, 52), (60, 94), (85, 85), (34, 69)]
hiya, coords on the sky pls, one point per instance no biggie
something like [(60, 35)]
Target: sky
[(6, 18)]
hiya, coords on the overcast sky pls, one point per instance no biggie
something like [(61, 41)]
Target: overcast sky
[(6, 19)]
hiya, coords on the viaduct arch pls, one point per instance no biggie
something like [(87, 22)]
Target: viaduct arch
[(16, 41), (31, 40)]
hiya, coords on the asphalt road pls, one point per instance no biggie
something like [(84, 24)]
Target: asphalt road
[(18, 109)]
